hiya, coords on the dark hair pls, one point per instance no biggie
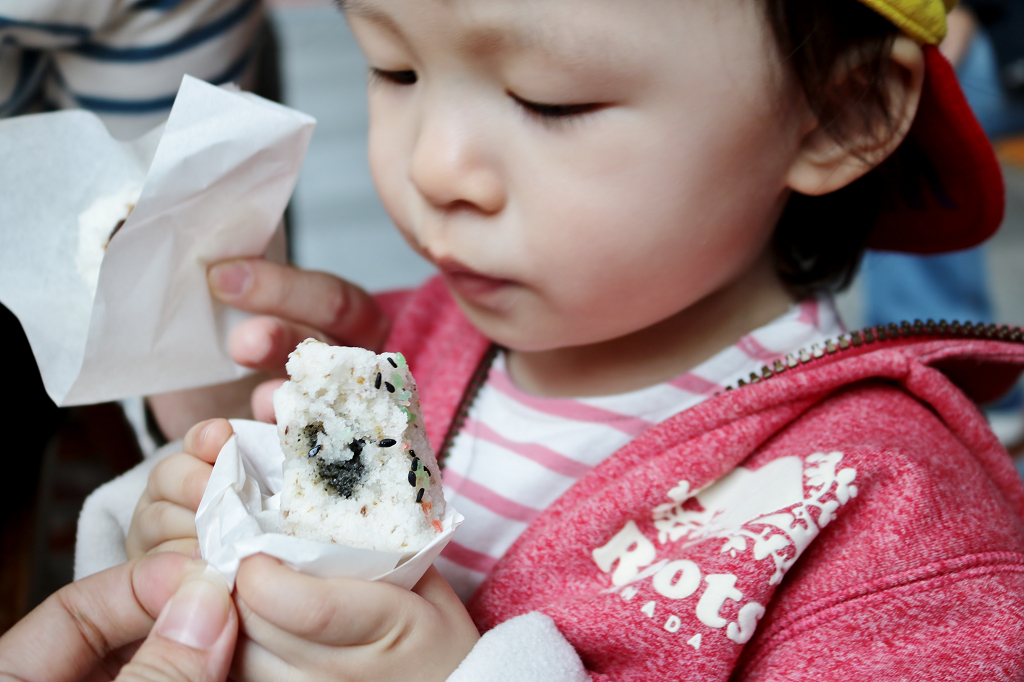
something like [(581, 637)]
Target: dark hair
[(819, 240)]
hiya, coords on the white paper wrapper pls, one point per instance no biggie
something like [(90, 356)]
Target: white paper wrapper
[(240, 516), (215, 182)]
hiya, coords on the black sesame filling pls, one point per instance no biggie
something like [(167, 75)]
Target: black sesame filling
[(343, 476), (310, 432)]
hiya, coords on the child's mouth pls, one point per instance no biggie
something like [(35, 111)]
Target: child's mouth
[(468, 283)]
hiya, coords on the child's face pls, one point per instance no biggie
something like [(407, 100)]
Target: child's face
[(578, 169)]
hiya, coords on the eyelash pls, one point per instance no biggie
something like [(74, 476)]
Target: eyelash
[(401, 77), (551, 113), (548, 113)]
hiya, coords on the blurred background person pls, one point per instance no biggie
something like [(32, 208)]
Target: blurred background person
[(124, 59)]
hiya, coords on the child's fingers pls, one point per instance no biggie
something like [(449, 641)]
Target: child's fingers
[(264, 343), (317, 299), (180, 479), (205, 439), (269, 653), (436, 590), (254, 663), (187, 546), (263, 401), (157, 523), (336, 611)]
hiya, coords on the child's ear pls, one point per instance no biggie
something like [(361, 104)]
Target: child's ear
[(825, 164)]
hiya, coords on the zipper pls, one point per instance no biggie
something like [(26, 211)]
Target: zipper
[(882, 333), (476, 382), (843, 343)]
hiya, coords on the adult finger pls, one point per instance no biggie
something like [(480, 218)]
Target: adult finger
[(91, 618), (205, 439), (263, 401), (336, 611), (320, 300), (193, 639)]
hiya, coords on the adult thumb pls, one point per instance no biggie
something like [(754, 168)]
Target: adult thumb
[(193, 639)]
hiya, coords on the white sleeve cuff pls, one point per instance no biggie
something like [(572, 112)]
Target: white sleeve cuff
[(527, 648), (107, 513)]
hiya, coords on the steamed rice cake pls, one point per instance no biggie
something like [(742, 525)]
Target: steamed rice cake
[(358, 469)]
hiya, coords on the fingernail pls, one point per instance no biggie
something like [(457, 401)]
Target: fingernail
[(205, 432), (197, 613), (232, 278)]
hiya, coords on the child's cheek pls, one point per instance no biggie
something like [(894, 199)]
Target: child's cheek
[(389, 173)]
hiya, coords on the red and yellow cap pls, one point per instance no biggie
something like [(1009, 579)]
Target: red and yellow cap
[(967, 206)]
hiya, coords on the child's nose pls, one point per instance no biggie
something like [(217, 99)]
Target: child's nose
[(454, 165)]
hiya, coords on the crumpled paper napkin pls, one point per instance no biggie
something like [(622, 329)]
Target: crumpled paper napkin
[(239, 516), (214, 184)]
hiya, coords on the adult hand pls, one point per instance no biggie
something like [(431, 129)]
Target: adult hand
[(293, 305), (93, 627)]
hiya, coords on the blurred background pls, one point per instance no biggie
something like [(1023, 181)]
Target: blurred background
[(337, 225)]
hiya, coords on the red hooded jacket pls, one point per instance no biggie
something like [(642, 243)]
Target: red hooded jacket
[(851, 517)]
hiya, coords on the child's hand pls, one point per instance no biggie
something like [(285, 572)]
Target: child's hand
[(296, 304), (165, 518), (298, 627)]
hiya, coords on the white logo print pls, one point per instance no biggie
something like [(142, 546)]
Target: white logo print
[(771, 497), (783, 504)]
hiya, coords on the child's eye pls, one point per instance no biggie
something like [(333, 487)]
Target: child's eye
[(556, 111), (405, 77)]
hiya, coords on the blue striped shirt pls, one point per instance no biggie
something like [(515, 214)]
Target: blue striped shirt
[(122, 59)]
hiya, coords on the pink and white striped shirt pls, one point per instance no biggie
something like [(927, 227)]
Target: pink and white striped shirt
[(517, 453)]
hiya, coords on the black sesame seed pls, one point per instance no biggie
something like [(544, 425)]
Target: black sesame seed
[(427, 470), (316, 450), (412, 479), (393, 363), (419, 495), (388, 442), (376, 384), (391, 389), (415, 463), (412, 452)]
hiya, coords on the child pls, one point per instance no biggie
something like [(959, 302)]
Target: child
[(635, 207)]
